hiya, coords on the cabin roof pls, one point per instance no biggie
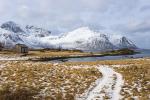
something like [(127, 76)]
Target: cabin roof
[(22, 45)]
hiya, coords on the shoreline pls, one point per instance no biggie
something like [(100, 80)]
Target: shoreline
[(83, 56)]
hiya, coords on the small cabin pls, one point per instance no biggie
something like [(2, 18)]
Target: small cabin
[(1, 46), (21, 48)]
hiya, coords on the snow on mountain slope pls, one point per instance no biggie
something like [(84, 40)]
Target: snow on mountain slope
[(79, 34), (126, 43), (9, 38), (12, 33), (38, 32), (11, 26), (82, 38), (89, 40), (100, 43), (122, 42)]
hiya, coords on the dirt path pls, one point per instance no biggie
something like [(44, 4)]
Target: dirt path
[(108, 87)]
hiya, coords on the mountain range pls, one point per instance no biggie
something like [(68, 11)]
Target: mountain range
[(82, 38)]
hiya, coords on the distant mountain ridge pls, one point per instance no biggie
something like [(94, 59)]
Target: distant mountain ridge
[(37, 31), (82, 38), (11, 26)]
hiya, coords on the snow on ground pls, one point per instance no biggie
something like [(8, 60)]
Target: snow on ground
[(7, 58), (2, 66), (108, 87), (48, 81)]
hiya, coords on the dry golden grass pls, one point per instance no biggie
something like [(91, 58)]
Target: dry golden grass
[(7, 52), (54, 54), (63, 81), (44, 81), (136, 74), (137, 81), (45, 53), (112, 62)]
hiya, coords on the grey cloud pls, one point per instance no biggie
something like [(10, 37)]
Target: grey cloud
[(139, 32), (132, 27), (126, 16), (145, 8)]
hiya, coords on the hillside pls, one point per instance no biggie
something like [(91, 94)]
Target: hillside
[(82, 38)]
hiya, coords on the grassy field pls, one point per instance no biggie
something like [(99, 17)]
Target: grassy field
[(65, 53), (136, 74), (52, 53), (45, 53), (113, 62), (28, 81), (137, 81), (25, 80)]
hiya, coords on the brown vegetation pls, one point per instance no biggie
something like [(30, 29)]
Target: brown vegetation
[(28, 80), (137, 78), (112, 62), (36, 80)]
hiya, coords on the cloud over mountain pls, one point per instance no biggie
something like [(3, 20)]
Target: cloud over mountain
[(82, 38), (66, 15)]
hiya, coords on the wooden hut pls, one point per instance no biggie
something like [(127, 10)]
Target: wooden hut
[(1, 46), (21, 48)]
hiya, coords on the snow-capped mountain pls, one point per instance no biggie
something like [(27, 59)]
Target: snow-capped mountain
[(38, 32), (12, 33), (89, 40), (101, 42), (11, 26), (81, 38), (9, 38), (125, 43)]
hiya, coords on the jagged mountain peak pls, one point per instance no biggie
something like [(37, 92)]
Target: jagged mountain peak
[(82, 28), (12, 23), (12, 26), (124, 39), (126, 43), (82, 33), (82, 38), (86, 39), (28, 29), (36, 29), (40, 32), (86, 30)]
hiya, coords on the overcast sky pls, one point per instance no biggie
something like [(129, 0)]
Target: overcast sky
[(128, 17)]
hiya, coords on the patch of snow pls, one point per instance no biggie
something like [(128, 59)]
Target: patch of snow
[(12, 58), (82, 38), (108, 86), (2, 66)]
